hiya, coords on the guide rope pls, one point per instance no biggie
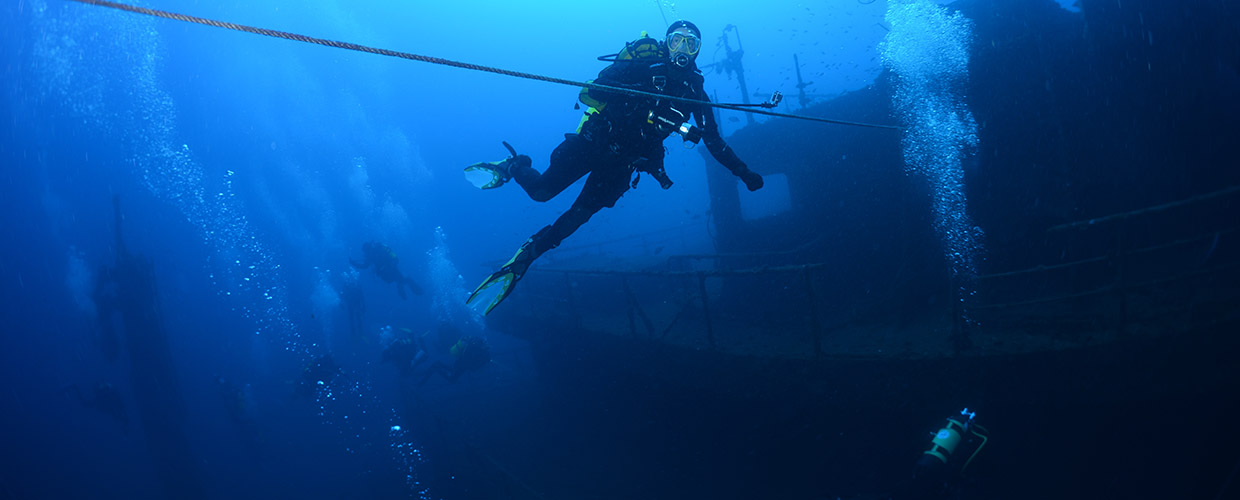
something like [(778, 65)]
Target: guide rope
[(456, 64)]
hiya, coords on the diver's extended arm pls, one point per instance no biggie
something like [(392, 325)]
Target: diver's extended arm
[(720, 150)]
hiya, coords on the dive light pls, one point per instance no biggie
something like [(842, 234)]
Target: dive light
[(690, 133)]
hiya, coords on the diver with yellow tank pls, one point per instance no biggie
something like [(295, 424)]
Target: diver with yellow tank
[(941, 467), (452, 353), (469, 354), (620, 136)]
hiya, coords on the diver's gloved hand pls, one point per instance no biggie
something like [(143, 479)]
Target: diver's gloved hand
[(752, 179), (514, 161)]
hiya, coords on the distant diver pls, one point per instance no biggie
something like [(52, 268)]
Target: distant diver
[(620, 136), (469, 354), (405, 353), (105, 399), (386, 266)]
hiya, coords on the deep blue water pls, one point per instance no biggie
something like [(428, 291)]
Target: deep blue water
[(249, 169)]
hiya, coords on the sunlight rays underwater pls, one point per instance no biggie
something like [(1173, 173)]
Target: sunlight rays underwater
[(103, 67), (88, 62)]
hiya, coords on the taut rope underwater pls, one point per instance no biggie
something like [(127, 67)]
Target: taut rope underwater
[(456, 64)]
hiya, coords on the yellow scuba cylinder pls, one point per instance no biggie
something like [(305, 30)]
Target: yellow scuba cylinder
[(948, 438), (644, 48)]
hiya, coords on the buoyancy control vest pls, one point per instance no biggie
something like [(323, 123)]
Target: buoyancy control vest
[(644, 49), (639, 119)]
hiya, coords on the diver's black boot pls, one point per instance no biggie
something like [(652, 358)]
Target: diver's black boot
[(490, 175)]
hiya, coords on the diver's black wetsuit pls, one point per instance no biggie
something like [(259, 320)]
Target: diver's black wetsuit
[(617, 141)]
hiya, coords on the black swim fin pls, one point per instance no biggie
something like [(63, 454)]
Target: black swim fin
[(499, 284), (490, 175)]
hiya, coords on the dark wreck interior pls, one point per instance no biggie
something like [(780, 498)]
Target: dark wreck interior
[(812, 353)]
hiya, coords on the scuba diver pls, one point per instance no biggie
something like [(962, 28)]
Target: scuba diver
[(620, 136), (446, 336), (471, 353), (940, 470), (319, 373), (106, 399), (386, 267), (406, 352)]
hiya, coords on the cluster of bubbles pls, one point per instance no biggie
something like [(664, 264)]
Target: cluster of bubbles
[(668, 8), (927, 49), (387, 218), (349, 405), (449, 287), (102, 67), (408, 457), (325, 301)]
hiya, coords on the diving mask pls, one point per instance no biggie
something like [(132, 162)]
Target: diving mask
[(683, 47), (684, 42)]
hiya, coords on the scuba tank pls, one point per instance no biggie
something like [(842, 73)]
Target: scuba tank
[(947, 441), (952, 449), (667, 119)]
